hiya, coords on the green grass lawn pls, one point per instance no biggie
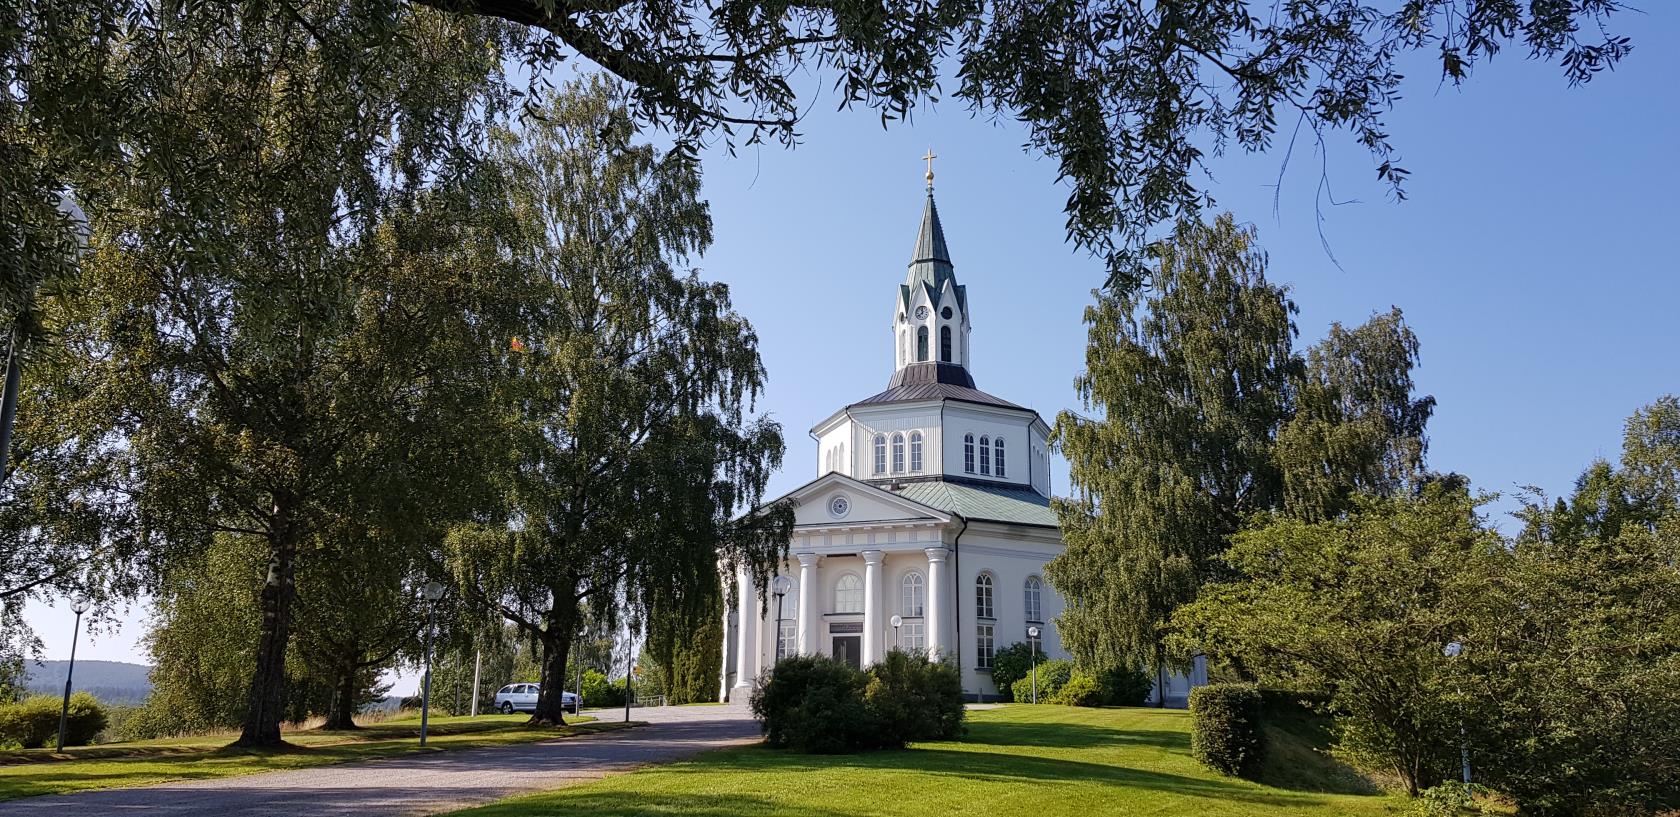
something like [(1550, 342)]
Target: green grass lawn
[(31, 772), (1035, 761)]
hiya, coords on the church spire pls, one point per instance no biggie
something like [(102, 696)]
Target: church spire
[(930, 322)]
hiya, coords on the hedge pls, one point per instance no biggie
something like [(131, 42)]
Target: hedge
[(33, 722), (1225, 728)]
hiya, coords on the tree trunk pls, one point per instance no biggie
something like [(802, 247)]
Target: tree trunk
[(266, 702), (556, 644), (343, 715), (1160, 682)]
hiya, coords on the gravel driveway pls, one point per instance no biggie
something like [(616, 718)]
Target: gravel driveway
[(422, 785)]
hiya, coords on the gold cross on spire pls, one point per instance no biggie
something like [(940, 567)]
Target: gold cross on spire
[(930, 157)]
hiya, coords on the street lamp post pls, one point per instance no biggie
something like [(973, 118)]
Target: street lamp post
[(897, 621), (432, 591), (780, 586), (1032, 646), (80, 606), (1453, 650)]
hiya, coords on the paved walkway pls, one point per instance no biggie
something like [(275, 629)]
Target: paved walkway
[(422, 785)]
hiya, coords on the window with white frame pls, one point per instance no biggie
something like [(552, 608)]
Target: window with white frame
[(968, 453), (983, 646), (997, 455), (985, 455), (848, 594), (788, 643), (913, 637), (915, 451), (915, 595), (880, 453), (898, 453), (1035, 599), (983, 607)]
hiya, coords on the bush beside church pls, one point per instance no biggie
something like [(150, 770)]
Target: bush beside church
[(819, 705)]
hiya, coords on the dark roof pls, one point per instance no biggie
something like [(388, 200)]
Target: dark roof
[(936, 391), (913, 374), (992, 503)]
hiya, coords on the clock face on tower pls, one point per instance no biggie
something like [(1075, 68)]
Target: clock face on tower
[(921, 313)]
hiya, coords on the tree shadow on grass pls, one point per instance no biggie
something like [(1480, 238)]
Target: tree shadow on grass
[(565, 803), (1063, 735), (998, 767)]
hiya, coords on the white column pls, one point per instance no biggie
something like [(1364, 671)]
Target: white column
[(939, 629), (746, 655), (809, 585), (872, 652), (723, 671)]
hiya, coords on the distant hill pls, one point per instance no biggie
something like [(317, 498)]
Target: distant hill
[(114, 682)]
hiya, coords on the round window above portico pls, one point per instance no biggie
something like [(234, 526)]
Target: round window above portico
[(839, 506)]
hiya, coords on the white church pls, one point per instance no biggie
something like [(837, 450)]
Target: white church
[(929, 524)]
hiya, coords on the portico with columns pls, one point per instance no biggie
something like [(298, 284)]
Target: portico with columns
[(931, 507)]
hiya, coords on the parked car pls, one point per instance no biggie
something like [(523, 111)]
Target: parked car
[(523, 698)]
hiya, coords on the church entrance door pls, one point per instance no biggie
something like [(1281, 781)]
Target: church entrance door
[(849, 648)]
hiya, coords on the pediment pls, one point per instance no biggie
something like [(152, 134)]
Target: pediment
[(859, 503)]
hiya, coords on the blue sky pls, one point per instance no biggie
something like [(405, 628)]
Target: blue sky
[(1534, 258)]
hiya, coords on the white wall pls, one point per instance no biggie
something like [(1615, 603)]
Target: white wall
[(1010, 561)]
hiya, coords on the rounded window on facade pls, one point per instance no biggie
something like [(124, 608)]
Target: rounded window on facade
[(945, 313), (848, 594), (839, 506)]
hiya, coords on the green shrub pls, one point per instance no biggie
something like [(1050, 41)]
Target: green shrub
[(1449, 799), (815, 704), (1051, 676), (1080, 690), (915, 699), (1225, 728), (33, 722), (1125, 686), (819, 705), (600, 692), (1011, 664)]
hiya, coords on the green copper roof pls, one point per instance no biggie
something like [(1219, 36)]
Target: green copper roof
[(1020, 506), (930, 264)]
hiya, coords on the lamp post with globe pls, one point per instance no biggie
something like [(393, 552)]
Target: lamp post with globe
[(1032, 646), (780, 586), (79, 606), (1453, 650), (897, 622), (432, 592)]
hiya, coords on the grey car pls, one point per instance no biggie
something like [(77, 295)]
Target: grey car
[(523, 698)]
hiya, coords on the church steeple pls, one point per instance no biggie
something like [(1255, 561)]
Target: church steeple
[(930, 319)]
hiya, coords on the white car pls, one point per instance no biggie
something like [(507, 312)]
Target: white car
[(523, 698)]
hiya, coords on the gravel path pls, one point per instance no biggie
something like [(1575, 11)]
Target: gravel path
[(421, 785)]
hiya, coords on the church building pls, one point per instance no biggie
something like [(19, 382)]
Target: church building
[(929, 523)]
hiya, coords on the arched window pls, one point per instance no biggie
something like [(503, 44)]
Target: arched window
[(984, 631), (945, 343), (915, 451), (848, 594), (985, 455), (1035, 598), (915, 595), (921, 344), (968, 453), (880, 453), (898, 453), (997, 455)]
